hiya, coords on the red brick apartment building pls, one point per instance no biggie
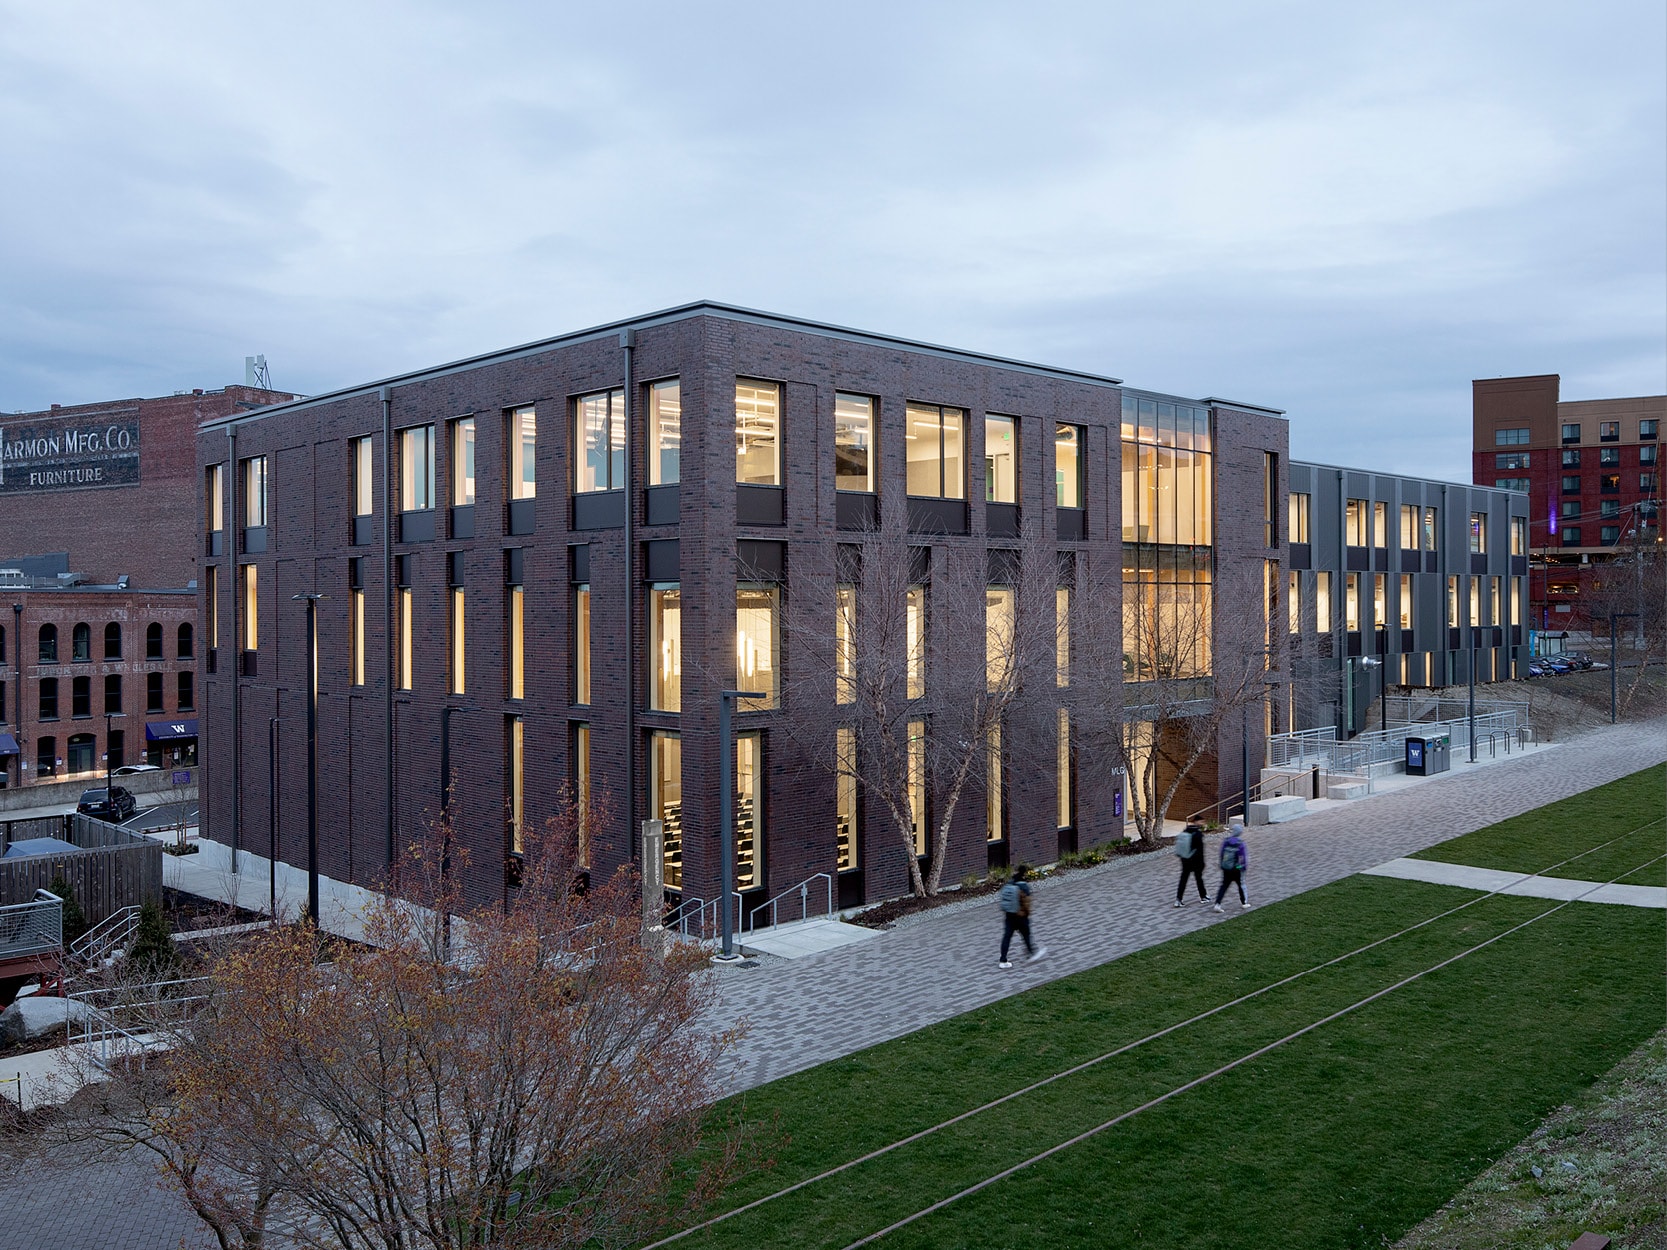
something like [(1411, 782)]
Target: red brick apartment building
[(539, 568), (98, 563), (1592, 471)]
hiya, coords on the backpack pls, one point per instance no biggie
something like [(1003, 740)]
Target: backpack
[(1231, 858), (1186, 843), (1010, 898)]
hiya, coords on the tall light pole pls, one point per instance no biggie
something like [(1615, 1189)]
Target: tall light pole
[(1472, 676), (110, 763), (311, 601), (1614, 660), (726, 814)]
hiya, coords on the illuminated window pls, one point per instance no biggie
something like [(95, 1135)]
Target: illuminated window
[(214, 498), (998, 636), (254, 492), (757, 644), (1355, 523), (1409, 527), (665, 785), (995, 817), (581, 786), (405, 676), (1380, 607), (1406, 600), (599, 436), (1453, 621), (416, 468), (917, 783), (459, 643), (1493, 602), (1351, 602), (933, 451), (915, 625), (1609, 431), (211, 597), (758, 433), (1001, 460), (845, 632), (1430, 527), (1475, 601), (523, 452), (1062, 636), (357, 626), (1513, 460), (515, 780), (749, 812), (1519, 536), (1068, 465), (251, 607), (1293, 601), (581, 643), (855, 461), (665, 433), (665, 640), (1067, 795), (1380, 524), (515, 606), (1297, 520), (1478, 533), (364, 484), (463, 462), (845, 798), (1516, 602)]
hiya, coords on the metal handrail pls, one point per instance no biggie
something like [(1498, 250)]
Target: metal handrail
[(114, 931), (32, 928), (803, 891)]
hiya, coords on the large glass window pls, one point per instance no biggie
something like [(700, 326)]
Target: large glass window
[(416, 468), (1068, 465), (581, 643), (665, 784), (251, 607), (749, 811), (1380, 604), (933, 451), (665, 433), (364, 483), (917, 783), (515, 608), (1001, 460), (845, 799), (1511, 460), (758, 433), (523, 452), (463, 462), (757, 643), (1355, 531), (1511, 438), (1452, 602), (1297, 521), (599, 422), (1293, 602), (845, 635), (211, 597), (855, 461), (1493, 601), (1166, 613), (915, 626), (1167, 473), (665, 640), (1475, 601), (254, 491), (459, 643)]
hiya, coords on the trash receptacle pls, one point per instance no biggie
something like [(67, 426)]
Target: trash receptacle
[(1416, 757), (1428, 756)]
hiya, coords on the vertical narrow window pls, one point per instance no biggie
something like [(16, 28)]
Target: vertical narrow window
[(995, 818), (1519, 536), (1429, 529), (463, 462), (1478, 533), (251, 607), (214, 498), (153, 641), (998, 636), (1067, 795), (933, 451), (1493, 602), (1409, 527), (1380, 605), (1406, 600), (416, 468), (81, 696), (1351, 602), (757, 644), (459, 643), (749, 812), (1062, 636), (758, 433), (187, 692), (581, 643), (357, 626), (112, 693), (1068, 465), (1516, 601), (665, 780), (599, 435), (153, 692), (845, 635), (581, 787), (212, 595), (364, 484), (1475, 601), (1354, 524), (845, 798), (1001, 460), (184, 642), (665, 433), (522, 442), (917, 782), (515, 773), (1380, 523), (665, 640), (1270, 492), (254, 492), (405, 605), (1293, 602), (1297, 522), (515, 606), (81, 643), (854, 458), (915, 627)]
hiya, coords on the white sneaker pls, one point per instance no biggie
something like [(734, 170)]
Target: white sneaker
[(1179, 903), (1005, 964), (1244, 906), (1038, 953), (1215, 906)]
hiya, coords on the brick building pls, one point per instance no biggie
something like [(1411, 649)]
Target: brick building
[(541, 566), (1592, 472), (98, 517)]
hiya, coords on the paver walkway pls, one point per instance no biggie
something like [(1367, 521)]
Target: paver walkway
[(1493, 880), (805, 1011)]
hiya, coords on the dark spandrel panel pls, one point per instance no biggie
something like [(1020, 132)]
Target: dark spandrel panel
[(254, 539), (581, 563), (937, 516), (417, 526), (854, 511), (661, 560), (760, 561), (662, 505), (1001, 520), (598, 510), (523, 516), (1072, 524), (1302, 556), (463, 521), (364, 530), (759, 505)]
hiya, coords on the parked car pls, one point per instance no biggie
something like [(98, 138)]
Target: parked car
[(127, 770), (1579, 659), (1538, 668), (1557, 664), (115, 804)]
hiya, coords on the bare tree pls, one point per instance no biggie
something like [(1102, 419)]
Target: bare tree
[(543, 1087), (909, 669), (1159, 669), (1633, 586)]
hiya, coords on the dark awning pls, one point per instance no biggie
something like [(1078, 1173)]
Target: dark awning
[(8, 745), (168, 730)]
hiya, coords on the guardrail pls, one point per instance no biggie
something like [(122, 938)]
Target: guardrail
[(125, 1020), (115, 931), (803, 891), (32, 928)]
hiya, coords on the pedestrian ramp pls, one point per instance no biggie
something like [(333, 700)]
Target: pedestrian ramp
[(798, 939), (1527, 885)]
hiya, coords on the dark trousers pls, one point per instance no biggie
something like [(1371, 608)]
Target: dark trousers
[(1230, 876), (1013, 923), (1191, 868)]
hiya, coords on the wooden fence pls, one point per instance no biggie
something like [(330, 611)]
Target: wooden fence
[(108, 870)]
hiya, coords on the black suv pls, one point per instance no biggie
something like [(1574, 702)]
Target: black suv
[(114, 805)]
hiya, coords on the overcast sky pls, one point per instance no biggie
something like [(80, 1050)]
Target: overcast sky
[(1341, 210)]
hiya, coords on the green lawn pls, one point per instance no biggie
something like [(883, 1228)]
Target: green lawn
[(1346, 1136)]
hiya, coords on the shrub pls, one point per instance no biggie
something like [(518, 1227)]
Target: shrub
[(75, 920), (153, 955)]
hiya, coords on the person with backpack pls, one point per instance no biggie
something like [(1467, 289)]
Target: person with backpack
[(1234, 860), (1015, 916), (1189, 845)]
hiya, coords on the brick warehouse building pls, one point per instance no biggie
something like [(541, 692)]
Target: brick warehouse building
[(729, 455), (93, 501), (1592, 473)]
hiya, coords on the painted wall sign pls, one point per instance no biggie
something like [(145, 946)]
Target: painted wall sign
[(68, 454)]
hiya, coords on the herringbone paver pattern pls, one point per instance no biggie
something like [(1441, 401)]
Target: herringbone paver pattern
[(806, 1011)]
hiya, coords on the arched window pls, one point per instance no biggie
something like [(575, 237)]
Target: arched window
[(185, 641), (112, 641), (49, 644), (153, 641), (81, 642)]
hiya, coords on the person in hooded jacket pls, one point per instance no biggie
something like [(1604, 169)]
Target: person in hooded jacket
[(1189, 845), (1234, 860)]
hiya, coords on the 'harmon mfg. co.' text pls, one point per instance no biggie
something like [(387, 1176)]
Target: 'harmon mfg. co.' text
[(57, 457)]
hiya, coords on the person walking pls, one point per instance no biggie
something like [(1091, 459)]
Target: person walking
[(1015, 916), (1234, 860), (1189, 845)]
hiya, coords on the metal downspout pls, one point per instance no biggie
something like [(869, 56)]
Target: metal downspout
[(628, 343), (388, 612), (234, 530)]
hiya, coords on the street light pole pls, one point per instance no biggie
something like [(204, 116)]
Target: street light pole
[(1614, 660), (110, 763), (1472, 676), (726, 815), (312, 754)]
